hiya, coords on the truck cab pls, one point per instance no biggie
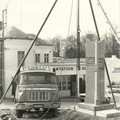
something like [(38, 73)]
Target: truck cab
[(36, 90)]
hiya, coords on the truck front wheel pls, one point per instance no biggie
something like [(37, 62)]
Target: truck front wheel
[(19, 113), (54, 112)]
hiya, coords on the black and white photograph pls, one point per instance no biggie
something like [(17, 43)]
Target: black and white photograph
[(59, 60)]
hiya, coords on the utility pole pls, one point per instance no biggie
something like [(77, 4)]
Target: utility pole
[(78, 50), (78, 39), (2, 49), (0, 68)]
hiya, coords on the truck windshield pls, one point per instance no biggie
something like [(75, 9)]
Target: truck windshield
[(37, 78)]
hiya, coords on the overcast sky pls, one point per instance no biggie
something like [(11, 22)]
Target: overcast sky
[(28, 15)]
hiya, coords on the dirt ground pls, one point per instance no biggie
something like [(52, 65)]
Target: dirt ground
[(62, 115)]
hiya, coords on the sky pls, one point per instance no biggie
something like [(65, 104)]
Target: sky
[(29, 15)]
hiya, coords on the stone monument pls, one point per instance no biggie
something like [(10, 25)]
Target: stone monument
[(95, 102), (95, 54)]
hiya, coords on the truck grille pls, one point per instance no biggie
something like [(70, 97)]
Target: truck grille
[(38, 96)]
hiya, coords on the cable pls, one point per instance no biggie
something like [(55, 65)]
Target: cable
[(21, 16), (109, 22), (69, 25)]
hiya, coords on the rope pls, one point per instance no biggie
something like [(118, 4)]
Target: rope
[(118, 40)]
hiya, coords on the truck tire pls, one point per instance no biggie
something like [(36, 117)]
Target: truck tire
[(54, 112), (19, 113), (108, 99), (82, 100)]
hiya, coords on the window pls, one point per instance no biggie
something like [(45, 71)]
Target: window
[(37, 78), (21, 55), (46, 58), (64, 82), (37, 58)]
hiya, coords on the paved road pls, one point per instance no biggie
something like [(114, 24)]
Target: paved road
[(9, 103), (65, 104)]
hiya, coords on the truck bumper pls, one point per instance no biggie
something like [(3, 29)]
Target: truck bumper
[(36, 105)]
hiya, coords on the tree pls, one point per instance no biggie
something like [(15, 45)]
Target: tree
[(111, 45), (58, 44), (70, 48), (91, 36)]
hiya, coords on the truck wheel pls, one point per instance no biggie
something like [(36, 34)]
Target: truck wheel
[(82, 100), (19, 113), (108, 99), (54, 112)]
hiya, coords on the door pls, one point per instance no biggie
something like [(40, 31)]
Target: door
[(82, 85), (64, 86), (73, 85)]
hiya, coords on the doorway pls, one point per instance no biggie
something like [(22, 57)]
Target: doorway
[(73, 85), (82, 86)]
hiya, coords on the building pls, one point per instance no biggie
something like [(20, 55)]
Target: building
[(71, 82), (16, 45), (68, 78), (113, 65)]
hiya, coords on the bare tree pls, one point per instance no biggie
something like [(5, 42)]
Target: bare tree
[(58, 44)]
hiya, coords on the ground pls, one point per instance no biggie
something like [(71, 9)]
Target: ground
[(65, 115)]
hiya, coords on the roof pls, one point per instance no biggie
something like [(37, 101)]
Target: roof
[(113, 58), (12, 32), (35, 71), (39, 41)]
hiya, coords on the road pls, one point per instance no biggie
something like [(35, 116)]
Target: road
[(9, 103)]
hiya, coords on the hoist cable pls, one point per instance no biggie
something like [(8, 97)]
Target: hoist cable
[(67, 39), (109, 22), (69, 24)]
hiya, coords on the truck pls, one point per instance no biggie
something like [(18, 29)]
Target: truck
[(36, 90)]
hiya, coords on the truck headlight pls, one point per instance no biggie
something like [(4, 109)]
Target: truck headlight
[(55, 105), (20, 106)]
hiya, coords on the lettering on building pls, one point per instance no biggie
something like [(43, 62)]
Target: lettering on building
[(68, 68), (64, 68)]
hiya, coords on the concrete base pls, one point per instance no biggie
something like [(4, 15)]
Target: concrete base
[(94, 107), (104, 110)]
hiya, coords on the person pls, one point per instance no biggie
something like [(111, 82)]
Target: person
[(13, 88)]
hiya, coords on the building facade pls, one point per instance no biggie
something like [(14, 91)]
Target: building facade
[(16, 45), (113, 65), (70, 81)]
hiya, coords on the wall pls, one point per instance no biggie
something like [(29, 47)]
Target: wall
[(11, 58), (112, 63), (44, 50)]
